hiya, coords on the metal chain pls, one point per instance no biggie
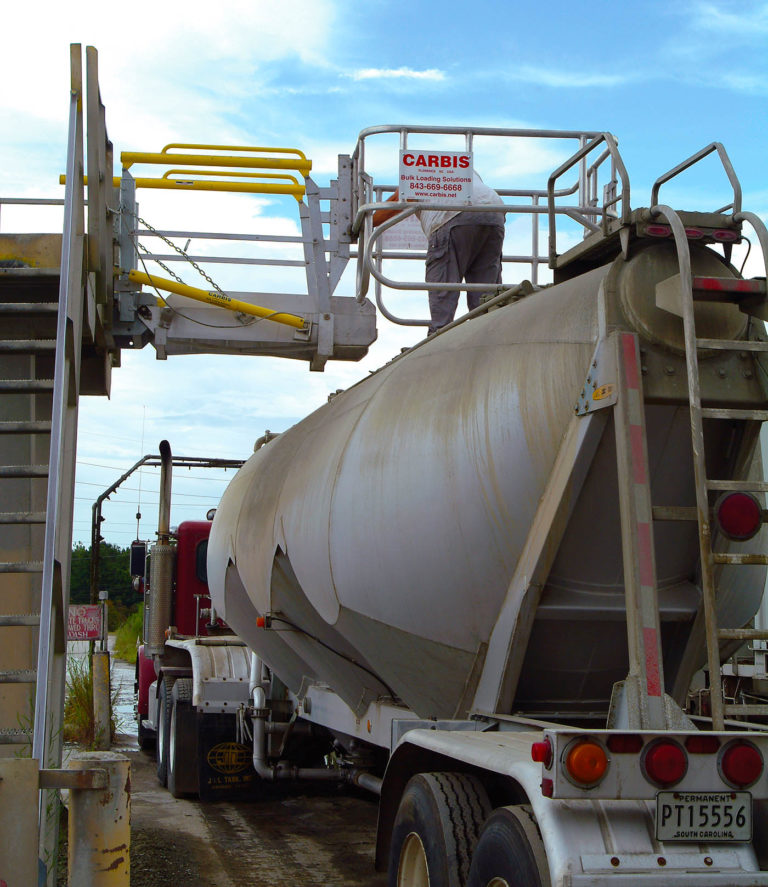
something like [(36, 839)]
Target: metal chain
[(181, 252)]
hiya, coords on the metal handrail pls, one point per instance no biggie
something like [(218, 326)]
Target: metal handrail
[(612, 150), (693, 159)]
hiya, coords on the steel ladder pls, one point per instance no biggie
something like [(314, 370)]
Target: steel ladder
[(750, 295)]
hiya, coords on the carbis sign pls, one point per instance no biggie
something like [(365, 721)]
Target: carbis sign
[(84, 622), (436, 175)]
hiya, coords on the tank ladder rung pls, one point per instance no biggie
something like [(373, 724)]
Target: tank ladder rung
[(743, 634), (731, 345), (741, 560), (718, 413), (19, 676), (741, 486), (746, 711)]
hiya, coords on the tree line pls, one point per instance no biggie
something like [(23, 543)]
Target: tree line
[(114, 578)]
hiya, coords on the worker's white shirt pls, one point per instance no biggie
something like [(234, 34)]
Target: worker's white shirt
[(482, 195)]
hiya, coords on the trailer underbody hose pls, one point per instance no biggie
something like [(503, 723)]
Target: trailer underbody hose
[(274, 772)]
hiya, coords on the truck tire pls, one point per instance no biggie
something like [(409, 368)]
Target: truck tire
[(163, 723), (182, 741), (145, 738), (436, 829), (510, 852)]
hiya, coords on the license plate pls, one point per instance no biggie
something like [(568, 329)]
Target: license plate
[(704, 816)]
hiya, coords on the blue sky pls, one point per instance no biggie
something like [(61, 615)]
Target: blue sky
[(666, 77)]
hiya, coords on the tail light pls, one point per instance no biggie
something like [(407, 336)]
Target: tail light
[(658, 230), (693, 233), (702, 745), (741, 764), (625, 743), (541, 752), (725, 236), (738, 515), (664, 763), (585, 762)]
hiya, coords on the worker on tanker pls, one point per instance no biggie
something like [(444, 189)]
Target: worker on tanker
[(462, 246)]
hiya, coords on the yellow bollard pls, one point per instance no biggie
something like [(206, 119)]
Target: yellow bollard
[(100, 824), (101, 701)]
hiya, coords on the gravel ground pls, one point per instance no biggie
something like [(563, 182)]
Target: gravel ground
[(290, 836)]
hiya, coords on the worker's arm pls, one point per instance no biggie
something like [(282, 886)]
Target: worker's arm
[(381, 215)]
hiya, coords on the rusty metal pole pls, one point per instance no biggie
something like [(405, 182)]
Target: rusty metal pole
[(101, 700), (100, 824)]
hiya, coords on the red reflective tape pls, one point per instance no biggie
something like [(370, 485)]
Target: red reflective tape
[(645, 554), (638, 462), (652, 678), (728, 284), (630, 360)]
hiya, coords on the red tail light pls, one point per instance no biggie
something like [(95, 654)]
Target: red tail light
[(541, 753), (658, 230), (725, 236), (741, 764), (665, 763), (738, 515), (693, 233)]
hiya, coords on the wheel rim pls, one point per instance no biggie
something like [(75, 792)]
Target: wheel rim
[(412, 870), (498, 882)]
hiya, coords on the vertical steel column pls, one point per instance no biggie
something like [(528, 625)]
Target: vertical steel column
[(646, 674)]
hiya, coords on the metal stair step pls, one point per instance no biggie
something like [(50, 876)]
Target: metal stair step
[(8, 471), (743, 634), (24, 386), (19, 676), (21, 567), (15, 737), (717, 413), (741, 560), (22, 619), (31, 426), (731, 345), (27, 346), (22, 517), (21, 309), (742, 486)]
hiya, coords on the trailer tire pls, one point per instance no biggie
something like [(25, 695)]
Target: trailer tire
[(436, 829), (182, 741), (510, 852), (146, 738), (163, 724)]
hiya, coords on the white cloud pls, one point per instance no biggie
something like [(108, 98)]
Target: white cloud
[(745, 22), (567, 79), (403, 73)]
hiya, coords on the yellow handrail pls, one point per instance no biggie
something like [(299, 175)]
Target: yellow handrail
[(301, 164), (251, 148), (214, 298), (295, 190)]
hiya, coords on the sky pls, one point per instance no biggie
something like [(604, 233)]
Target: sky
[(667, 77)]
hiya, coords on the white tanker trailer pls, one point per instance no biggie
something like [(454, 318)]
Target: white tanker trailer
[(496, 564)]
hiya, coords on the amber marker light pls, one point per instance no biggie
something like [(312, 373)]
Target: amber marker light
[(586, 762)]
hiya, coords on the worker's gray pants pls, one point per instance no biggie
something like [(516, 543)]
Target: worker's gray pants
[(470, 253)]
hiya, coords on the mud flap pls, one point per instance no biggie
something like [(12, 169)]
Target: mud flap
[(225, 767)]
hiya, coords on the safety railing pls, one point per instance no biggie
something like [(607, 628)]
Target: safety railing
[(583, 206), (734, 205)]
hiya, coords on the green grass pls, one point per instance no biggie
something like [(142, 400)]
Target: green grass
[(79, 727), (128, 634)]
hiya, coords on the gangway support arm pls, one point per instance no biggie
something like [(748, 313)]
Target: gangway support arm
[(217, 299)]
